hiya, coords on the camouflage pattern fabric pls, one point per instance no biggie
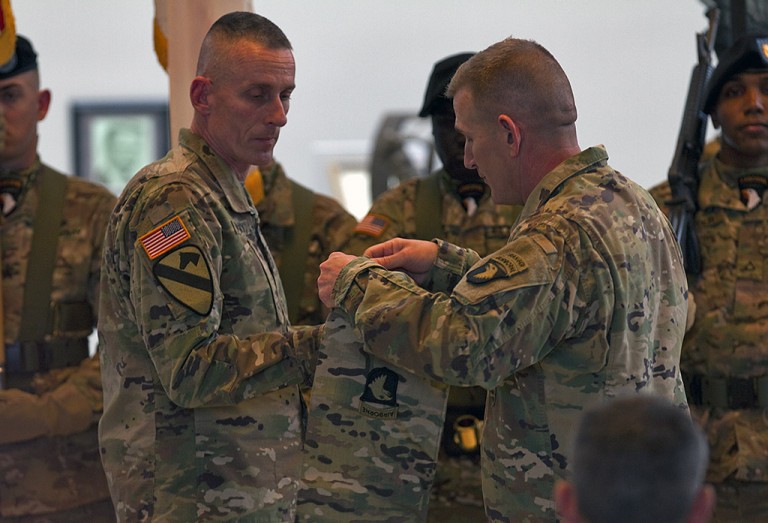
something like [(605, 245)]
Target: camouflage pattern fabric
[(457, 493), (49, 462), (729, 335), (372, 435), (587, 301), (486, 231), (202, 411), (331, 227)]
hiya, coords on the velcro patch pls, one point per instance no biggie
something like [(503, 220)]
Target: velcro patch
[(185, 275), (502, 266), (379, 399), (373, 225), (164, 238)]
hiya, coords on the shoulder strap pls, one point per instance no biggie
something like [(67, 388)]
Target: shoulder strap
[(429, 205), (293, 262), (42, 257)]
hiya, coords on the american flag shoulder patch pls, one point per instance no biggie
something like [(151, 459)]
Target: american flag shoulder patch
[(165, 237), (373, 225)]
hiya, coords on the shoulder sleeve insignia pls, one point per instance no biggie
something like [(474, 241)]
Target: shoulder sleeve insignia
[(185, 275), (372, 225), (164, 238), (498, 267), (379, 399)]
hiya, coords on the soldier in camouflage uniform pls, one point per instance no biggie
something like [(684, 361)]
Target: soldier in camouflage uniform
[(464, 214), (49, 464), (587, 300), (202, 410), (725, 354), (299, 241)]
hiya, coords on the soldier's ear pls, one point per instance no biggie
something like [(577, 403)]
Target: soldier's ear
[(43, 103), (512, 133), (199, 91)]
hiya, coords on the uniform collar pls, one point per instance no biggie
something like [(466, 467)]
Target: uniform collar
[(587, 160), (224, 176)]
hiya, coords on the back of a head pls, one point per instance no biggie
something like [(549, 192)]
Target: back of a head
[(233, 27), (520, 78), (638, 459)]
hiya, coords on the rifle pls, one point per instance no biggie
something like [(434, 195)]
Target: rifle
[(683, 174)]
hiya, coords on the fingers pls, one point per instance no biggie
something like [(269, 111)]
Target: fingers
[(329, 272)]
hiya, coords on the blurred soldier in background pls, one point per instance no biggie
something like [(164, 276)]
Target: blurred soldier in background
[(455, 204), (52, 229), (301, 228), (725, 354)]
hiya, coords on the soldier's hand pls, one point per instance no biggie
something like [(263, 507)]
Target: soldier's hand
[(329, 272), (414, 257)]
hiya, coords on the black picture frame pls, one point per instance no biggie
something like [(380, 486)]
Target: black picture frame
[(113, 140)]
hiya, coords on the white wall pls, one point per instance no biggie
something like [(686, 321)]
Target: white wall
[(629, 63)]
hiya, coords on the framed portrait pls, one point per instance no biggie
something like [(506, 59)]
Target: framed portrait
[(113, 140)]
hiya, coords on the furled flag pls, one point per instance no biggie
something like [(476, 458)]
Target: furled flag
[(7, 32)]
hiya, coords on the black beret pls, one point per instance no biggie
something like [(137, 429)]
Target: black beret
[(24, 59), (442, 73), (750, 52)]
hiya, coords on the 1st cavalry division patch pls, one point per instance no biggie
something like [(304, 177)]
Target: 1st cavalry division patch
[(185, 274)]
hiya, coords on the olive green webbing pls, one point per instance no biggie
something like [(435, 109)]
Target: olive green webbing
[(293, 262), (36, 308), (429, 206)]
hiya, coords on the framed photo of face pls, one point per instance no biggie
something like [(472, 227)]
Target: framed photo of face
[(112, 141)]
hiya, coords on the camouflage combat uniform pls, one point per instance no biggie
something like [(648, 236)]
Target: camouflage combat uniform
[(586, 301), (49, 462), (331, 226), (457, 493), (486, 231), (202, 410), (725, 354)]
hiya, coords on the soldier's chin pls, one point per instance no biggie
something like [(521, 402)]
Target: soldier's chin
[(263, 159)]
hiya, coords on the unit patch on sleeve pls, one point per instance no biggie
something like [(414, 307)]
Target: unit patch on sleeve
[(164, 238), (502, 266), (185, 275), (379, 399)]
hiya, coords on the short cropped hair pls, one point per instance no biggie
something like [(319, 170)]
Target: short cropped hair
[(235, 26), (520, 78), (638, 459)]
